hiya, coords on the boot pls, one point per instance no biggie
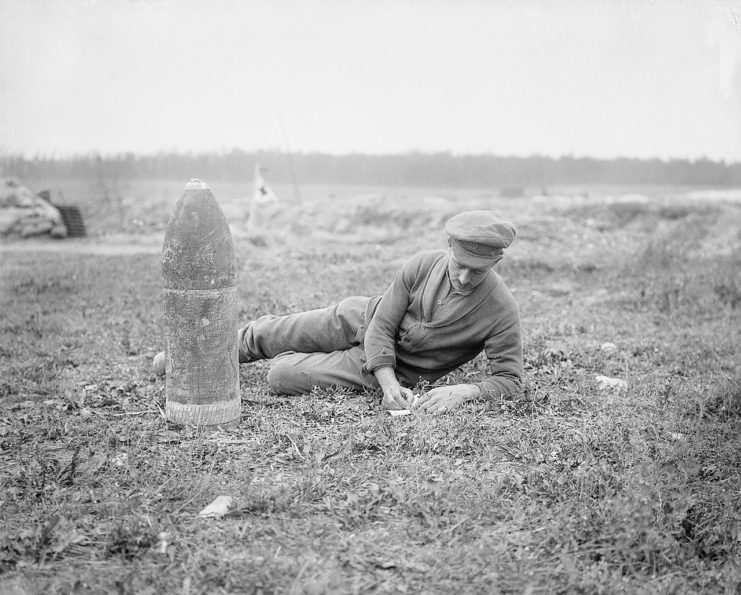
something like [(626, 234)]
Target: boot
[(159, 364)]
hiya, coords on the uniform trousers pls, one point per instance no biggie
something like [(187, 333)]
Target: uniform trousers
[(316, 348)]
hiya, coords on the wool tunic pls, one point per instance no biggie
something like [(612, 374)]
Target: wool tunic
[(422, 324)]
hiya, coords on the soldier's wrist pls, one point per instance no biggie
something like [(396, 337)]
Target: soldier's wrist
[(386, 378)]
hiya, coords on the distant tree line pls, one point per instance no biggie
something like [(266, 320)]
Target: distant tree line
[(409, 169)]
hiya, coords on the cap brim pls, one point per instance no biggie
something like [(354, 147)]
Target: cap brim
[(472, 261)]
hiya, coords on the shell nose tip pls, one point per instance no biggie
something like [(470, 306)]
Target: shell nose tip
[(196, 184)]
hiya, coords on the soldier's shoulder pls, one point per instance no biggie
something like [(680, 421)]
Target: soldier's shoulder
[(500, 290)]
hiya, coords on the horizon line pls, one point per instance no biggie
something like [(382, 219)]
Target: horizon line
[(94, 154)]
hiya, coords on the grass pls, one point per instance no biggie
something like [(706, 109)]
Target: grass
[(568, 488)]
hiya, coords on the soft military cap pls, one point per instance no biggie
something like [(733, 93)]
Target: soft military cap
[(480, 237)]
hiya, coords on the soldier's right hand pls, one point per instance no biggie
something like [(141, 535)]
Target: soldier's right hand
[(397, 397)]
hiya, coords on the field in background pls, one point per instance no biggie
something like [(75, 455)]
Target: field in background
[(570, 488)]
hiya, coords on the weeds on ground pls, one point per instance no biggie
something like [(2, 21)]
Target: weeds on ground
[(568, 487)]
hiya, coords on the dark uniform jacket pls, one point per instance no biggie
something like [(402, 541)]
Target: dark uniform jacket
[(422, 326)]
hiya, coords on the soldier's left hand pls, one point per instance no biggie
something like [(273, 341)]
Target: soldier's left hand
[(445, 398)]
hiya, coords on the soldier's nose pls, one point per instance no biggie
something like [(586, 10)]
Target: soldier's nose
[(464, 277)]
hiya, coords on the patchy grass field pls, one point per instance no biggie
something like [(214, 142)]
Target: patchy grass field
[(570, 488)]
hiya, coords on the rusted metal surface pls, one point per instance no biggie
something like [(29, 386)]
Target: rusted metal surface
[(200, 307)]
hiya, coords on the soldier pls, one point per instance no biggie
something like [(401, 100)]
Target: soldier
[(441, 310)]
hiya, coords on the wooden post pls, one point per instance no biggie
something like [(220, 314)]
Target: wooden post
[(200, 306)]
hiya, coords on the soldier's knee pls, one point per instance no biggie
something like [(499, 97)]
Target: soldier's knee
[(287, 377), (352, 309)]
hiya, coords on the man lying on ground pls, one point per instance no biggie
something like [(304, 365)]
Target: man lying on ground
[(442, 309)]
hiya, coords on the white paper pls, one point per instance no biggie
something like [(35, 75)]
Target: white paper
[(217, 508)]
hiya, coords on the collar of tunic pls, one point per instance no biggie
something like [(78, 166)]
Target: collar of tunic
[(442, 304)]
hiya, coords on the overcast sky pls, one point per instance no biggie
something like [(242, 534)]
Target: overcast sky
[(599, 78)]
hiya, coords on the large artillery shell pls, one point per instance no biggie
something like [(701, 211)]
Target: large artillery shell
[(200, 306)]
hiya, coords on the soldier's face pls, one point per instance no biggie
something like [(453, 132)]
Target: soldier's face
[(464, 275)]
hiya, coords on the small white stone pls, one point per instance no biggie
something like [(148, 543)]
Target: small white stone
[(120, 459), (608, 348), (218, 508), (605, 382)]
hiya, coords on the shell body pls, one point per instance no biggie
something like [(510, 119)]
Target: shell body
[(200, 308)]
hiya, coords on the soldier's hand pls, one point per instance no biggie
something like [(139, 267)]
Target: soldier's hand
[(397, 397), (446, 398)]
